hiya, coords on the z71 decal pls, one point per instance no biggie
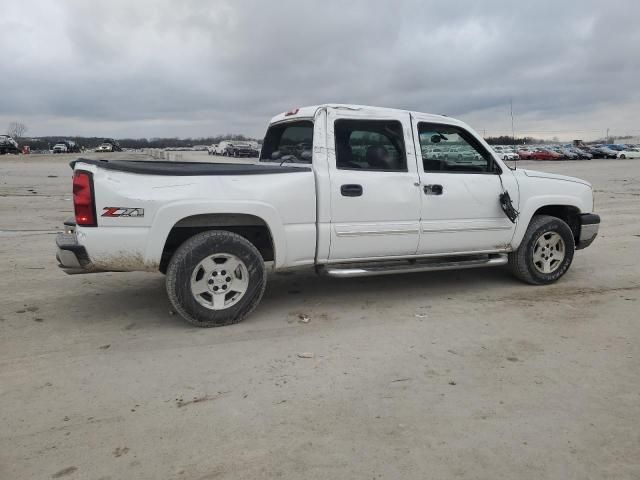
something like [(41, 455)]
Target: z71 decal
[(122, 212)]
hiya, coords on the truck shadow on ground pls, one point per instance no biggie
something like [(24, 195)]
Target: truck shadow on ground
[(138, 300), (297, 290)]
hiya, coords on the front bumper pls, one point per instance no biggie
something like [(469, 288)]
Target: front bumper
[(589, 226), (71, 256)]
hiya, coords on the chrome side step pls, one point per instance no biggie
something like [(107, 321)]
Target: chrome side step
[(409, 266)]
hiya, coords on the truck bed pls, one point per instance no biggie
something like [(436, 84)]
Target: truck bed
[(189, 168)]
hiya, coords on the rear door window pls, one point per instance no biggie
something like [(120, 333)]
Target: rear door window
[(376, 145)]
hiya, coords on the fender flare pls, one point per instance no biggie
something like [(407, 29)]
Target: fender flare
[(169, 215), (532, 205)]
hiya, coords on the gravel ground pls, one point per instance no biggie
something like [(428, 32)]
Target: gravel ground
[(466, 374)]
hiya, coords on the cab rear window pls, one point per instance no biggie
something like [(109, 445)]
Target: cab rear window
[(290, 142)]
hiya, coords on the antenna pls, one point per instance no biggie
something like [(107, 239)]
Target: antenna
[(513, 131)]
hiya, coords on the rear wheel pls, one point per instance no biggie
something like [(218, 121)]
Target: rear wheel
[(546, 251), (623, 156), (215, 278)]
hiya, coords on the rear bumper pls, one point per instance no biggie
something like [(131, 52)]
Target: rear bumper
[(589, 226), (72, 257)]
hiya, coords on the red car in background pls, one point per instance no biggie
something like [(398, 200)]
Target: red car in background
[(525, 154), (542, 154)]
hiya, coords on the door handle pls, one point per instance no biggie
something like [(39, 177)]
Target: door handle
[(351, 190), (433, 189)]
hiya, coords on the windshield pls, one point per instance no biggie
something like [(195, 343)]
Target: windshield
[(289, 142)]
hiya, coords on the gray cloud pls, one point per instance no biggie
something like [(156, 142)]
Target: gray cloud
[(189, 68)]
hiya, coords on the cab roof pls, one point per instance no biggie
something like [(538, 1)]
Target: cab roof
[(309, 112)]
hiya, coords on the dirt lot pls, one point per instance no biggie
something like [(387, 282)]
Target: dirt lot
[(466, 374)]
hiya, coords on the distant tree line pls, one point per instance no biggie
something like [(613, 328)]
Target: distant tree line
[(44, 143), (509, 140)]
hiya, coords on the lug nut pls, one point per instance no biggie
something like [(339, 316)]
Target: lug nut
[(215, 289), (224, 287), (223, 272), (228, 279), (215, 274)]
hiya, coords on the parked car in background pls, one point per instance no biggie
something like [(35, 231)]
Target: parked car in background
[(8, 145), (594, 152), (606, 152), (568, 153), (506, 153), (629, 153), (223, 148), (545, 154), (105, 147), (65, 146), (60, 147), (582, 154), (616, 146), (242, 149), (525, 154), (234, 149), (255, 148), (109, 145)]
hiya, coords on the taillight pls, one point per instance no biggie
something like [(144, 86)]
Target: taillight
[(83, 201)]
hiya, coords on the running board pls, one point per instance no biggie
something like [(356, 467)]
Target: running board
[(410, 266)]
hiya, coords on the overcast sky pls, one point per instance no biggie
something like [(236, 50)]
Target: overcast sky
[(137, 68)]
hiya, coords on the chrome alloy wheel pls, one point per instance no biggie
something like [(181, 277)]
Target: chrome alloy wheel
[(219, 281), (548, 252)]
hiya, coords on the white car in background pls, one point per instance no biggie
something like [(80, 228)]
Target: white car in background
[(629, 153), (506, 153), (60, 147), (105, 147)]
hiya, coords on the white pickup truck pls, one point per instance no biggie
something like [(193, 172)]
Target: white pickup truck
[(348, 190)]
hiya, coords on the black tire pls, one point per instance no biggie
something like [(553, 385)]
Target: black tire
[(623, 156), (521, 261), (188, 256)]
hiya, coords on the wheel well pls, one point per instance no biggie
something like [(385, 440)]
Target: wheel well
[(250, 227), (570, 215)]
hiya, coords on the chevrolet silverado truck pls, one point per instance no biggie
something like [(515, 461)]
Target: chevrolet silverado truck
[(348, 190)]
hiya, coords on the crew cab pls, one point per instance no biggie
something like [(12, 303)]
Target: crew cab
[(348, 190)]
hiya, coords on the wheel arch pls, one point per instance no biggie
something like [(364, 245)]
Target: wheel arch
[(208, 215), (568, 209), (254, 228), (570, 214)]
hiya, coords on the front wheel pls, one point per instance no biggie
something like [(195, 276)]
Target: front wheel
[(623, 156), (215, 278), (546, 251)]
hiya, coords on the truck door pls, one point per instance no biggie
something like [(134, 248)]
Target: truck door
[(460, 188), (375, 199)]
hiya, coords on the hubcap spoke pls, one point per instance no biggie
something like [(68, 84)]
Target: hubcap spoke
[(231, 266), (209, 265), (200, 286), (218, 301)]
